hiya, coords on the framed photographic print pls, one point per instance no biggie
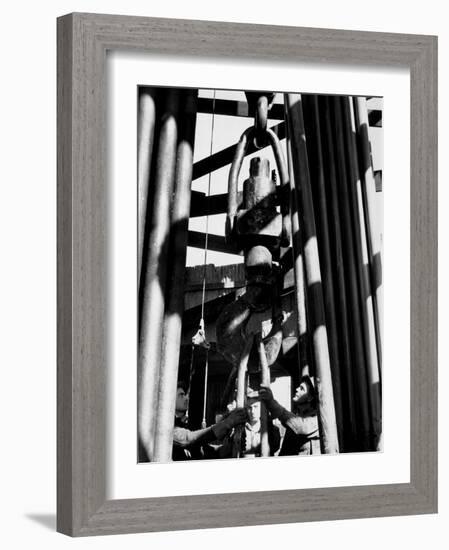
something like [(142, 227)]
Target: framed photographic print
[(246, 274)]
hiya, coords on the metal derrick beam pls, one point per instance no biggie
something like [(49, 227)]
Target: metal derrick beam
[(228, 107), (225, 156), (202, 205), (235, 108), (218, 243)]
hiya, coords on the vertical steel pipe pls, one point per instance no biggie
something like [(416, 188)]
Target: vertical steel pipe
[(168, 377), (361, 256), (326, 406), (154, 271), (241, 391), (316, 166), (368, 187), (265, 380), (298, 270), (357, 339), (145, 140), (241, 374), (339, 274)]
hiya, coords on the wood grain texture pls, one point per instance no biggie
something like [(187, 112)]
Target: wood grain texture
[(83, 40), (423, 272), (64, 277)]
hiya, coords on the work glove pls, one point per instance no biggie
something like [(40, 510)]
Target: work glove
[(266, 395), (235, 417)]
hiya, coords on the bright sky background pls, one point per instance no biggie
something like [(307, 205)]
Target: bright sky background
[(227, 131)]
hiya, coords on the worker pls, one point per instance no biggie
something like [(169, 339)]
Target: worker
[(253, 429), (186, 442), (302, 435), (250, 446)]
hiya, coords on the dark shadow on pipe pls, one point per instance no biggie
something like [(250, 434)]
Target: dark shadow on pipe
[(361, 234), (316, 310), (339, 276), (312, 120), (352, 285), (375, 262)]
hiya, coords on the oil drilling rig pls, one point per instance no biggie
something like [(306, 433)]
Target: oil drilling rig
[(304, 295)]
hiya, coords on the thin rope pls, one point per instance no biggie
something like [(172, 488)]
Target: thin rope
[(206, 371), (191, 368), (191, 371), (206, 242)]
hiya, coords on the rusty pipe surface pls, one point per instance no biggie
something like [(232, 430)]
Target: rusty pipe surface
[(326, 405), (154, 271), (175, 284)]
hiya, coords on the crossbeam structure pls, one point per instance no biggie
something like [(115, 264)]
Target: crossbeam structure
[(224, 157)]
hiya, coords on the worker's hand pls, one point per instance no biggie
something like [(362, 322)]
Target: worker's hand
[(265, 393), (236, 417)]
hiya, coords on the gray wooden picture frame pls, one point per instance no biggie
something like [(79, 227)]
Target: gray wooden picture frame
[(83, 40)]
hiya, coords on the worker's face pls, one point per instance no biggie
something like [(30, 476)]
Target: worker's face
[(182, 401), (302, 394), (253, 411)]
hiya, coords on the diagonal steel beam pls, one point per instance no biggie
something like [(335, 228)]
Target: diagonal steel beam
[(217, 243), (225, 156), (202, 205), (235, 108)]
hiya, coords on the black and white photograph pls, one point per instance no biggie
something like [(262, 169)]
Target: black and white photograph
[(223, 236), (260, 297)]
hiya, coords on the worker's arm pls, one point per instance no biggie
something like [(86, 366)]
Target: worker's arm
[(298, 424), (302, 425), (183, 437)]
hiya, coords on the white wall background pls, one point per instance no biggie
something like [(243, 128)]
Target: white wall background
[(27, 287)]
